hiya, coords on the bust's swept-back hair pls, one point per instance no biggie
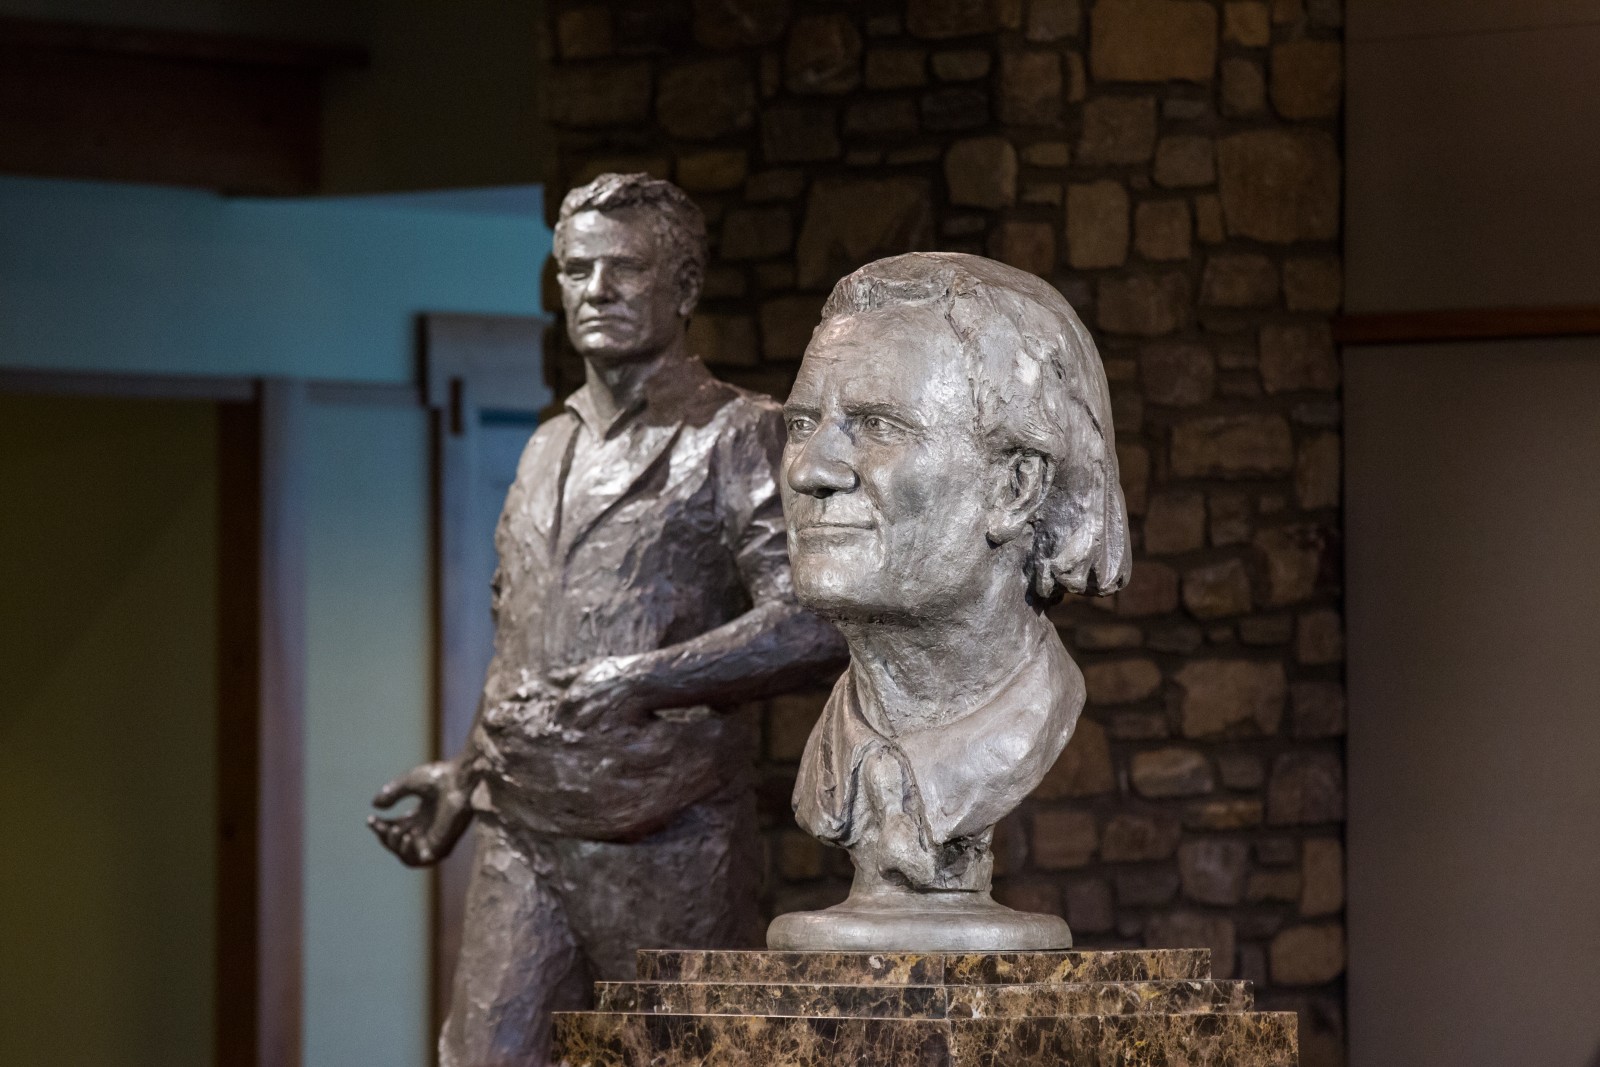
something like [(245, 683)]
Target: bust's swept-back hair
[(1039, 387), (677, 223)]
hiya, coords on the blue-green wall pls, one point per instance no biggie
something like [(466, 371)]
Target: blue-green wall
[(104, 277), (128, 279), (368, 676)]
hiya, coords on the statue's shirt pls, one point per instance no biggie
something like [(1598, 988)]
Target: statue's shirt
[(620, 538), (925, 800)]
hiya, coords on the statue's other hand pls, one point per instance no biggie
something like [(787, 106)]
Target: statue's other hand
[(601, 690), (426, 835)]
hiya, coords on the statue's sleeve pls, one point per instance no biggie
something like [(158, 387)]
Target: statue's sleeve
[(750, 456)]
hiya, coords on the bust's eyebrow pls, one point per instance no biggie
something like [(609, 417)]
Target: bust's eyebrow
[(792, 408), (619, 260), (885, 409)]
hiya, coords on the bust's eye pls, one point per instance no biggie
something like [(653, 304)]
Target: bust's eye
[(878, 426), (801, 426)]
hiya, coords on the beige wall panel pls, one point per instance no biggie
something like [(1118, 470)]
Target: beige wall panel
[(1473, 477), (1474, 171)]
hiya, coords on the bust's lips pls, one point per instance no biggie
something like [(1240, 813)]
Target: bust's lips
[(829, 532)]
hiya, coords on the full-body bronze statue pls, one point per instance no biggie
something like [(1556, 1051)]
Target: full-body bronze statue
[(951, 471), (643, 581)]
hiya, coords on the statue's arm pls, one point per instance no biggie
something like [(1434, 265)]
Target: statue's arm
[(443, 791), (775, 646), (443, 788)]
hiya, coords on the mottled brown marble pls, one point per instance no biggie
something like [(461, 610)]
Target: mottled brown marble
[(1101, 998), (935, 968), (600, 1039), (758, 998), (921, 1001), (887, 968), (1044, 1009), (1133, 965)]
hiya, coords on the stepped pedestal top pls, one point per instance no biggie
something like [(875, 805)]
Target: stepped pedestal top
[(810, 1009)]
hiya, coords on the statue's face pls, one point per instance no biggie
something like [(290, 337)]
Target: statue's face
[(884, 481), (617, 287)]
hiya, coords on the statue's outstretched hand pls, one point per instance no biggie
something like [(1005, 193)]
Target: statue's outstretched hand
[(426, 835)]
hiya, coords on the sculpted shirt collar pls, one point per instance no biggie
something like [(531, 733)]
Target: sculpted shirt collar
[(660, 397), (1013, 738)]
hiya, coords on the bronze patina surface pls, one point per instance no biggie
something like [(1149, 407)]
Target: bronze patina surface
[(950, 473), (643, 588)]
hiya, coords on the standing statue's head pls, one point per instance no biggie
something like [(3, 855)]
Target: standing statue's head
[(631, 253), (949, 446)]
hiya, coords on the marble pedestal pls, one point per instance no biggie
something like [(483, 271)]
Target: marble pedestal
[(1156, 1008)]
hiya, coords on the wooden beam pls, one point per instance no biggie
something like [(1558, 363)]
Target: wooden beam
[(32, 382), (261, 734), (1466, 324), (238, 729), (175, 44), (29, 381), (232, 114)]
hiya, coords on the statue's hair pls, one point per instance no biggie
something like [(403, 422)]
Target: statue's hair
[(1039, 387), (678, 224)]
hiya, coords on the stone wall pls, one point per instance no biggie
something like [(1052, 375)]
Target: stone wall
[(1173, 167)]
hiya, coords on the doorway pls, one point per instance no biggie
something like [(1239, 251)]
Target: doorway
[(108, 729)]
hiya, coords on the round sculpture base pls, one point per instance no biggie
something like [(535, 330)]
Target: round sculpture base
[(918, 922)]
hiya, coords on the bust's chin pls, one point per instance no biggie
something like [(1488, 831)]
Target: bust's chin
[(620, 344), (836, 592), (846, 595)]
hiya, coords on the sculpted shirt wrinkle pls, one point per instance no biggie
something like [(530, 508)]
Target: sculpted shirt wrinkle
[(618, 539), (964, 771)]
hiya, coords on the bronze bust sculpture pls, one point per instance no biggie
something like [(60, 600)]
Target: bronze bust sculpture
[(643, 584), (950, 472)]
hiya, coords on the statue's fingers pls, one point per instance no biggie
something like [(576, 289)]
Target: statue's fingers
[(385, 829), (391, 793)]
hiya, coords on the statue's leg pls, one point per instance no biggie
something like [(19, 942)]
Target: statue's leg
[(690, 885), (519, 962)]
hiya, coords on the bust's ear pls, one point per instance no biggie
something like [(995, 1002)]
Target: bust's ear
[(1021, 482), (688, 295)]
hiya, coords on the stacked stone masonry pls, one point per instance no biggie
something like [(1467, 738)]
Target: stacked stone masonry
[(1173, 167)]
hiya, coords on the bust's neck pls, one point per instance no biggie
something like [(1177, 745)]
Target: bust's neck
[(915, 676)]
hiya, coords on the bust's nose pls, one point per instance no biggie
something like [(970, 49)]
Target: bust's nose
[(822, 466), (600, 287)]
